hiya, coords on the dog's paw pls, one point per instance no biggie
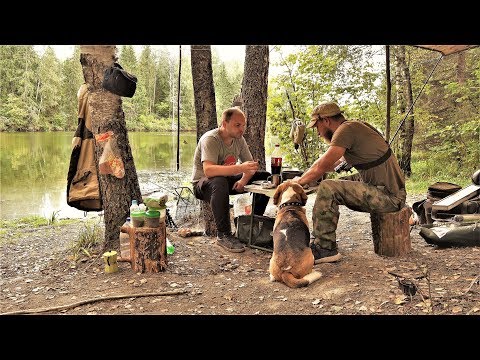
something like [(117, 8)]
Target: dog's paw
[(272, 279)]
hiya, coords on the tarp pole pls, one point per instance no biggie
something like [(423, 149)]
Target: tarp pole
[(178, 106)]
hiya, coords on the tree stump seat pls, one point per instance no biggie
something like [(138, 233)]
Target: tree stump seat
[(208, 218), (391, 232), (148, 250)]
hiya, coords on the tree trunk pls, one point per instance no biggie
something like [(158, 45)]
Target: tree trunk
[(399, 92), (107, 114), (409, 125), (461, 68), (254, 95), (204, 88), (205, 110), (389, 92)]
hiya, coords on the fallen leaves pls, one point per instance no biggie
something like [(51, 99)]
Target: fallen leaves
[(457, 309)]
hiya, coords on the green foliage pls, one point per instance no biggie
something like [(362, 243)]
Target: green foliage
[(18, 88), (72, 79), (314, 74), (128, 59), (14, 114), (227, 78), (418, 184), (447, 130), (40, 93), (151, 123), (163, 91)]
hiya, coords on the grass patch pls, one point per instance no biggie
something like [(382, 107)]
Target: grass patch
[(10, 228), (32, 221), (29, 221), (88, 239), (417, 185), (428, 169)]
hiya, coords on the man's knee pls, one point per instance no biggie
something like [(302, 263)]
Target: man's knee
[(206, 188), (219, 182), (326, 188)]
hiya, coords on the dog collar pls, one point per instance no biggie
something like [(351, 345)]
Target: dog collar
[(293, 203)]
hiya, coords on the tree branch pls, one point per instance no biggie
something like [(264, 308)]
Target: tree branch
[(90, 301)]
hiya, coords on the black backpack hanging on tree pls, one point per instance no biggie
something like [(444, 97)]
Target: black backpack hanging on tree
[(119, 82)]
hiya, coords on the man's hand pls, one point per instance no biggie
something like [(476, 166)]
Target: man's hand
[(239, 186), (295, 179), (249, 167)]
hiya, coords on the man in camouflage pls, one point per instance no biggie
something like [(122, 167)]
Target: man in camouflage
[(382, 185)]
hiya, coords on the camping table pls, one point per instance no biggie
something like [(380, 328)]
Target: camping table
[(257, 189)]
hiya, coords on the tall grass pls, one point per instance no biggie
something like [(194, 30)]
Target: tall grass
[(90, 236), (53, 217), (430, 168)]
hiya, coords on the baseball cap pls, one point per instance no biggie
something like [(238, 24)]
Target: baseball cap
[(322, 110)]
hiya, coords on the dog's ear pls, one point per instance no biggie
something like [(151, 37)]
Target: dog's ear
[(278, 192), (299, 189), (304, 197)]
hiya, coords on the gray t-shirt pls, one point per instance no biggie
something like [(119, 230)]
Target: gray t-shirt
[(362, 145), (212, 148)]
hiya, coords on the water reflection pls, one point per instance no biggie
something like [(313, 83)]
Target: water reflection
[(34, 167)]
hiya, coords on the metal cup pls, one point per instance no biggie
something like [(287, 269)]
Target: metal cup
[(275, 179)]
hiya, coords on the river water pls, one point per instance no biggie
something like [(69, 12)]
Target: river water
[(34, 168)]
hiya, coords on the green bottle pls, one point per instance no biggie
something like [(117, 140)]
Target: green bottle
[(170, 247)]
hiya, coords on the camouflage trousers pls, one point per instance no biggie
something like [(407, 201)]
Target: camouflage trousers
[(355, 195)]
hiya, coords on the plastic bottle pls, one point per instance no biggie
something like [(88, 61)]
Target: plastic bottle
[(276, 160), (134, 207), (170, 247), (125, 242)]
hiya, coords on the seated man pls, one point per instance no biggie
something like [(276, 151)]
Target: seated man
[(381, 190), (216, 173)]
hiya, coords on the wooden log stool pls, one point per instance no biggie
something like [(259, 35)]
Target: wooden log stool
[(391, 232), (148, 248)]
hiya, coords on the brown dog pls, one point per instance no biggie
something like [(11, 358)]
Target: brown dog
[(292, 260)]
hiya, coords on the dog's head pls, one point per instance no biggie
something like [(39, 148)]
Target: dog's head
[(289, 191)]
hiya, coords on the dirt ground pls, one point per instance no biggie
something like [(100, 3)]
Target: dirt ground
[(38, 275)]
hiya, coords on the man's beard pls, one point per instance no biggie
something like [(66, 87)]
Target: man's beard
[(328, 135)]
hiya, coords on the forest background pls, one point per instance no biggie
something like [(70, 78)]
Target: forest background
[(38, 93)]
